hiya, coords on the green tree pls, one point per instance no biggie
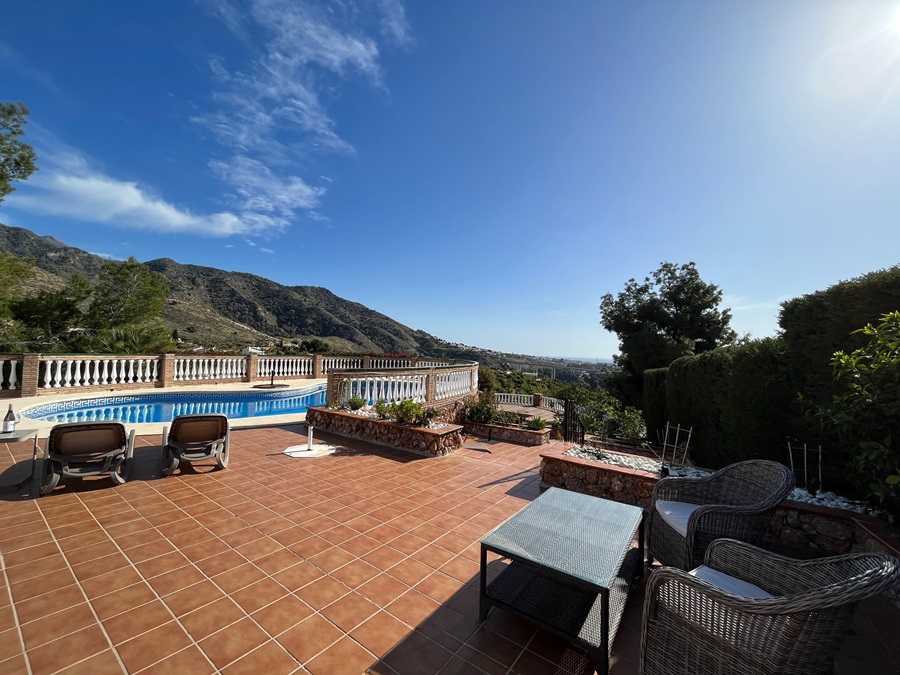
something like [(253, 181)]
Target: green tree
[(487, 380), (16, 156), (148, 338), (672, 313), (314, 346), (13, 273), (52, 312), (126, 294)]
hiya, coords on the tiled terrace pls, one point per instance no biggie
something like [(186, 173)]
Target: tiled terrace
[(362, 560)]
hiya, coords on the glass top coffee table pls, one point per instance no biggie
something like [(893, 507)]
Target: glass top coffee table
[(572, 564)]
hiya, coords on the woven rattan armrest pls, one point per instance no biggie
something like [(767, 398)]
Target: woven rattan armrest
[(822, 582), (677, 489)]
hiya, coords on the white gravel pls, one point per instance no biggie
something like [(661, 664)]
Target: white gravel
[(829, 499)]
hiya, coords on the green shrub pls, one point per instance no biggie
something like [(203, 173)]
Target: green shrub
[(631, 424), (482, 409), (356, 402), (426, 416), (536, 424), (406, 411), (507, 417), (595, 421), (865, 413), (382, 409)]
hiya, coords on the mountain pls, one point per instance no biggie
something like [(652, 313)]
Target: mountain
[(209, 305)]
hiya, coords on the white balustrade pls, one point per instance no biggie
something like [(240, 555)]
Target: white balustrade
[(388, 388), (513, 399), (9, 374), (197, 368), (285, 366), (333, 363), (555, 404), (387, 363), (452, 384), (61, 373)]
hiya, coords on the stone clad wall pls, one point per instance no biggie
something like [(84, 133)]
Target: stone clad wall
[(805, 530), (432, 442), (498, 432), (628, 486)]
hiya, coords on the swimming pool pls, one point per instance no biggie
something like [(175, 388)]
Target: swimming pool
[(149, 408)]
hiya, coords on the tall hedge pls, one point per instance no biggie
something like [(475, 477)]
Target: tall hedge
[(817, 325), (654, 392), (737, 399)]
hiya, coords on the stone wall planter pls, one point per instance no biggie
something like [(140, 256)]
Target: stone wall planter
[(801, 530), (430, 442), (497, 432)]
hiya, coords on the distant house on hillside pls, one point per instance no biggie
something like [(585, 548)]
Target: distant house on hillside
[(253, 350)]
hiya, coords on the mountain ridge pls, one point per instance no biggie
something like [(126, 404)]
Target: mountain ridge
[(210, 305)]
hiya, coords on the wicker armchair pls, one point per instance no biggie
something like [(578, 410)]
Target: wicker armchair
[(794, 625), (736, 502)]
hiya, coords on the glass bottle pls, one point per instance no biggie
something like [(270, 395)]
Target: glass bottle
[(9, 422)]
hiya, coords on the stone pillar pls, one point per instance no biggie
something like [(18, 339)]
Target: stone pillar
[(334, 393), (413, 361), (167, 370), (252, 368), (31, 364), (430, 387), (537, 400), (366, 362), (317, 366)]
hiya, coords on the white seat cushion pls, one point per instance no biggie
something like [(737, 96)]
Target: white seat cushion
[(728, 583), (676, 514)]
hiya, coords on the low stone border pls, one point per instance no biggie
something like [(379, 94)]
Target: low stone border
[(805, 529), (498, 432), (430, 442)]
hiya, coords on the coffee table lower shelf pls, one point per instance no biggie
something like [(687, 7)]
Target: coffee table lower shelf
[(586, 616)]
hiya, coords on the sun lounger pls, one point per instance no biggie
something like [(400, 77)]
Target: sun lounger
[(195, 438), (87, 449)]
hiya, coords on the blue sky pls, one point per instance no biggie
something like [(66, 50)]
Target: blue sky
[(483, 170)]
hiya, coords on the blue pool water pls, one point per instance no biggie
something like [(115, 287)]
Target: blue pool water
[(148, 408)]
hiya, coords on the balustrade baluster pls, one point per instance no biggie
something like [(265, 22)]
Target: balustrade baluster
[(12, 374), (68, 374)]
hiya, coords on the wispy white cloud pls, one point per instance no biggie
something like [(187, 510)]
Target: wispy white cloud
[(271, 110), (394, 24), (68, 185), (10, 60), (259, 190), (229, 245), (266, 250)]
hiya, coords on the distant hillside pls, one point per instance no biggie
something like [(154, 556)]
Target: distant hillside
[(211, 305)]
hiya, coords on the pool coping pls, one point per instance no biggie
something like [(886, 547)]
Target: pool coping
[(150, 428)]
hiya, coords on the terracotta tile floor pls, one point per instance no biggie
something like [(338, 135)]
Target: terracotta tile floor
[(365, 560)]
